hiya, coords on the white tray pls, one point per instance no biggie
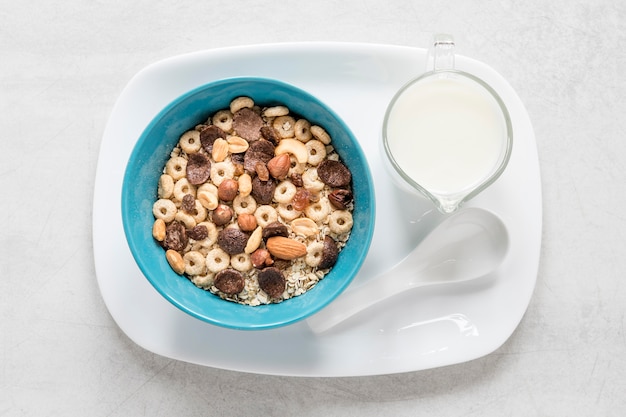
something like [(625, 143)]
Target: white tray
[(422, 329)]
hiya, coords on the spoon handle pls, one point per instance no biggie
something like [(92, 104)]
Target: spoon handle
[(358, 299)]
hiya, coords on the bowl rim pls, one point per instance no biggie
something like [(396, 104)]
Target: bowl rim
[(270, 316)]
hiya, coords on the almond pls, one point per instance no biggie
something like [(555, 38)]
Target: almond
[(279, 166), (285, 248)]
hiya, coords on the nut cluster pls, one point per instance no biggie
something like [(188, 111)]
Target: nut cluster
[(253, 205)]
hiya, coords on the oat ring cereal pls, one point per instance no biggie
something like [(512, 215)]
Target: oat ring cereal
[(241, 221), (190, 141)]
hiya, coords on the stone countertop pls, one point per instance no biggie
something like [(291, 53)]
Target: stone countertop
[(65, 63)]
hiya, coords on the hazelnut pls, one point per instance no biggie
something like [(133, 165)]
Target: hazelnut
[(227, 190), (246, 222), (261, 258), (222, 215), (279, 166)]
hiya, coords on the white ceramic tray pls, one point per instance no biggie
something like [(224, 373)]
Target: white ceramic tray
[(422, 329)]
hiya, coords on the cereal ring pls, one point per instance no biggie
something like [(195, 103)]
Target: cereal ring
[(320, 134), (211, 234), (217, 260), (182, 188), (164, 209), (203, 281), (318, 210), (317, 152), (340, 221), (284, 126), (295, 167), (166, 186), (199, 213), (276, 111), (311, 181), (190, 141), (241, 262), (195, 263), (288, 212), (314, 253), (244, 204), (186, 219), (284, 192), (265, 215), (224, 120), (221, 171), (176, 167), (208, 199), (302, 130), (239, 103)]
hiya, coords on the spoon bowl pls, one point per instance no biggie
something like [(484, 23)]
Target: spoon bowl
[(466, 245)]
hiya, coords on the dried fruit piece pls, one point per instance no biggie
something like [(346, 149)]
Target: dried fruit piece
[(285, 248), (334, 173), (302, 199), (330, 253), (198, 168), (175, 236), (270, 134), (263, 191), (232, 240), (247, 124), (296, 179), (275, 229), (340, 198), (261, 171), (208, 136), (272, 281), (229, 281)]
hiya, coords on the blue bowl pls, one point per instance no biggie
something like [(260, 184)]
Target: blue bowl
[(146, 163)]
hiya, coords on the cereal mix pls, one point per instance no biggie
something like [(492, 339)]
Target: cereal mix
[(253, 205)]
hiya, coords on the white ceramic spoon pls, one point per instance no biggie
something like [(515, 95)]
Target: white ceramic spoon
[(466, 245)]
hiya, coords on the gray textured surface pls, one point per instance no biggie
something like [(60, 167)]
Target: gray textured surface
[(63, 64)]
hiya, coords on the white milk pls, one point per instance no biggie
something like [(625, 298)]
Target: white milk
[(448, 135)]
